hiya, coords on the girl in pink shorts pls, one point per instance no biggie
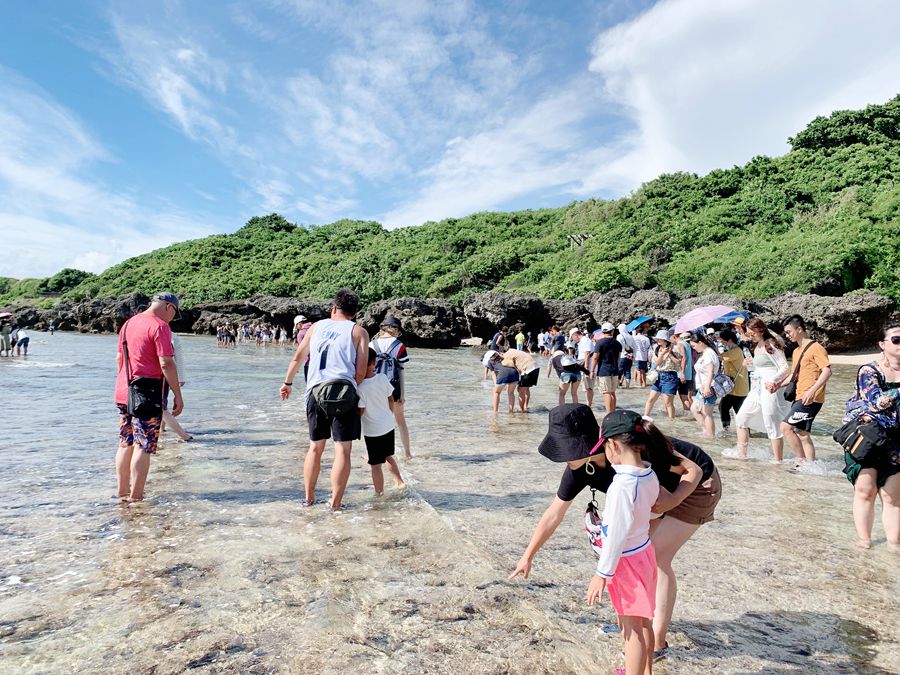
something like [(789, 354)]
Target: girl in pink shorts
[(626, 565)]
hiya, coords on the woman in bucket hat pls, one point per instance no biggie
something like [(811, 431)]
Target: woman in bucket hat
[(666, 361), (689, 490)]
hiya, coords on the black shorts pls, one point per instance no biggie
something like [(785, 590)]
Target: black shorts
[(529, 379), (685, 388), (641, 366), (801, 416), (379, 448), (344, 427)]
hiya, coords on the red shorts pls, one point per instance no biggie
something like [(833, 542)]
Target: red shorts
[(632, 589)]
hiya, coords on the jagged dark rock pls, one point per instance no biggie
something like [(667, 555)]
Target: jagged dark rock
[(485, 312), (426, 323), (846, 323)]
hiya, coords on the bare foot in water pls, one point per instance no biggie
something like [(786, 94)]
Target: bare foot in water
[(864, 544)]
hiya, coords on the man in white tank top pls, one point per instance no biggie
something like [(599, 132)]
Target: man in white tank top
[(338, 349)]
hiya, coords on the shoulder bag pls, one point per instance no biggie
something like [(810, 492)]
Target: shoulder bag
[(790, 391), (145, 394), (861, 435)]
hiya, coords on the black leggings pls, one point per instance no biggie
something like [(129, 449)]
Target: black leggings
[(726, 405)]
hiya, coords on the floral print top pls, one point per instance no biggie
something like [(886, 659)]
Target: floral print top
[(875, 398)]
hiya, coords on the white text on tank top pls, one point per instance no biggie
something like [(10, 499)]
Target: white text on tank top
[(332, 354)]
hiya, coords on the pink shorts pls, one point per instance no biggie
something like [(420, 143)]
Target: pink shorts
[(633, 587)]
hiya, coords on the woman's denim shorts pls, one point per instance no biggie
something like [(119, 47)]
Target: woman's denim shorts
[(667, 383)]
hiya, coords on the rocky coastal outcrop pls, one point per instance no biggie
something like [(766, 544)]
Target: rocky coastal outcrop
[(845, 323), (431, 323)]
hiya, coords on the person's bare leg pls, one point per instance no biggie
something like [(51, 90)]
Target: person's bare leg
[(778, 449), (172, 421), (697, 412), (651, 401), (340, 472), (527, 398), (123, 470), (400, 418), (561, 398), (395, 472), (589, 395), (609, 402), (647, 627), (521, 392), (636, 644), (668, 537), (669, 405), (311, 467), (793, 440), (743, 441), (573, 388), (806, 442), (864, 492), (511, 396), (377, 479), (890, 511), (140, 467), (709, 423), (496, 398)]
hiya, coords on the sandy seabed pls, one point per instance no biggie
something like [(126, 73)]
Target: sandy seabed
[(223, 571)]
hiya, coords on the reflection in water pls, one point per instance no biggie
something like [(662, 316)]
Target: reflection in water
[(223, 570)]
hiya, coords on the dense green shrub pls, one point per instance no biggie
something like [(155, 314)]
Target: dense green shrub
[(825, 217)]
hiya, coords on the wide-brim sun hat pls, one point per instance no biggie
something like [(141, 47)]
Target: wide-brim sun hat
[(662, 335), (571, 434)]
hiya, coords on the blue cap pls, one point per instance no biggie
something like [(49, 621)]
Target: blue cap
[(166, 296)]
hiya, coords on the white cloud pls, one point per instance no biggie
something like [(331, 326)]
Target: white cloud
[(710, 85), (53, 214), (541, 150)]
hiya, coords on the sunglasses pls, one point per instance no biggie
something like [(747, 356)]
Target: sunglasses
[(895, 339)]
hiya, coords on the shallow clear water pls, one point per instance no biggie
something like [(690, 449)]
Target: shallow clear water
[(222, 570)]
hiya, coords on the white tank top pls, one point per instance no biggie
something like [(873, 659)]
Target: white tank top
[(332, 354)]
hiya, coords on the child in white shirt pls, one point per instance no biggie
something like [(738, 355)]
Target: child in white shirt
[(626, 565), (376, 405)]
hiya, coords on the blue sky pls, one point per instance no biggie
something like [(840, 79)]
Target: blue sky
[(127, 126)]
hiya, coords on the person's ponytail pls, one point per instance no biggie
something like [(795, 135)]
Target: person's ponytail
[(654, 446)]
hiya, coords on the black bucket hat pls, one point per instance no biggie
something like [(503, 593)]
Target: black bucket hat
[(572, 433), (391, 322)]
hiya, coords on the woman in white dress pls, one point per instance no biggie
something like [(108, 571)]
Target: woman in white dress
[(765, 406)]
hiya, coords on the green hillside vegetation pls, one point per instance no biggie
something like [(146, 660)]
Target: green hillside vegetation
[(823, 218)]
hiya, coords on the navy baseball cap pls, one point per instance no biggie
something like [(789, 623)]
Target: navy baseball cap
[(166, 296)]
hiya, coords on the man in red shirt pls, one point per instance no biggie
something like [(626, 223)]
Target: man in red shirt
[(150, 354)]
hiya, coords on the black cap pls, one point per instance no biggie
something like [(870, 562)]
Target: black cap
[(572, 433), (620, 422), (391, 322)]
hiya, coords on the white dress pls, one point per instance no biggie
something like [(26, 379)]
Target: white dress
[(762, 410)]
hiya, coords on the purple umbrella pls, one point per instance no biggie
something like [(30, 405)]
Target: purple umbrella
[(701, 316)]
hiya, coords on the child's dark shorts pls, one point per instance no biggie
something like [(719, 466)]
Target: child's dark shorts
[(379, 448)]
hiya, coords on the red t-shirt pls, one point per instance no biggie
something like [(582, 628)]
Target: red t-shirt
[(149, 337)]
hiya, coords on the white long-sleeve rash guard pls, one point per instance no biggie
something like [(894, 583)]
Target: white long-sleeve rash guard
[(626, 515)]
